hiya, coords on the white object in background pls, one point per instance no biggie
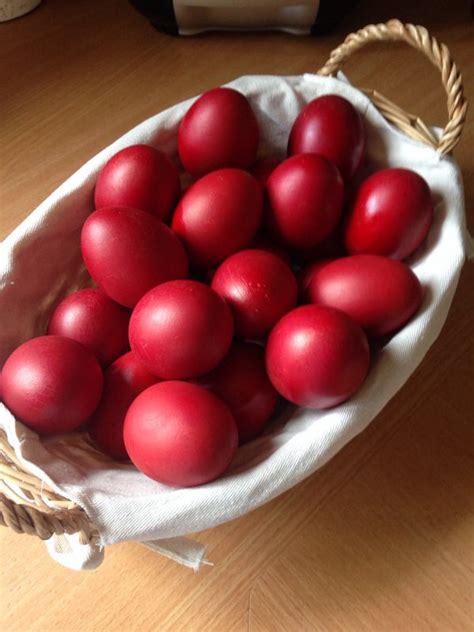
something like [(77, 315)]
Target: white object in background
[(10, 9), (292, 16)]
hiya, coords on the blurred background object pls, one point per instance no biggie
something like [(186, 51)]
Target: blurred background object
[(298, 17), (10, 9)]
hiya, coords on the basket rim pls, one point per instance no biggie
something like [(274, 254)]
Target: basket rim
[(30, 505), (437, 53)]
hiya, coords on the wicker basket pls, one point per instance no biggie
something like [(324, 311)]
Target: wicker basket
[(27, 505)]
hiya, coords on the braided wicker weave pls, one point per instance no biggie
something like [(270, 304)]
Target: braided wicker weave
[(27, 505), (439, 55)]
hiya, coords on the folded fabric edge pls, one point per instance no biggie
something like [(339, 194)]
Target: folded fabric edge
[(182, 550)]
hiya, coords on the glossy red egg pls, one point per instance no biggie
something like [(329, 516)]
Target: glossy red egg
[(140, 177), (94, 320), (181, 329), (317, 357), (331, 127), (218, 215), (123, 381), (259, 287), (180, 434), (242, 383), (305, 195), (391, 215), (52, 384), (128, 251), (219, 130), (378, 293)]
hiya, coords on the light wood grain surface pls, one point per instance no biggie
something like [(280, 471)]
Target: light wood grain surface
[(382, 538)]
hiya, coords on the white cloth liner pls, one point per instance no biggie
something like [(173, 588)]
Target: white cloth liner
[(40, 262), (68, 551)]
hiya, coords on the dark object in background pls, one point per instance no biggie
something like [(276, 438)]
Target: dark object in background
[(298, 17)]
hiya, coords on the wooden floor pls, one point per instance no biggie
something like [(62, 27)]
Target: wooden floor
[(381, 539)]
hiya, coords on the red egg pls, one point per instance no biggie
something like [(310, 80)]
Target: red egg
[(180, 434), (378, 293), (52, 384), (219, 130), (391, 215), (317, 357), (128, 251), (305, 195), (219, 215), (181, 329), (262, 169), (242, 383), (123, 381), (140, 177), (94, 320), (259, 288), (331, 127)]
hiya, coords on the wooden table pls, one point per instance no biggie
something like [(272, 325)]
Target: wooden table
[(381, 539)]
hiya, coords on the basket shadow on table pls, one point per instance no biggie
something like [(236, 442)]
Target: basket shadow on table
[(392, 518)]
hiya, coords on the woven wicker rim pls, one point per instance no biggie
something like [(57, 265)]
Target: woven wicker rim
[(438, 54), (27, 505)]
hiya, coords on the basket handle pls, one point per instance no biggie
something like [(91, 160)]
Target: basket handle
[(439, 55)]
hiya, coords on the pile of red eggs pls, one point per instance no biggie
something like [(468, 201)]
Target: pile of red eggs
[(204, 286)]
